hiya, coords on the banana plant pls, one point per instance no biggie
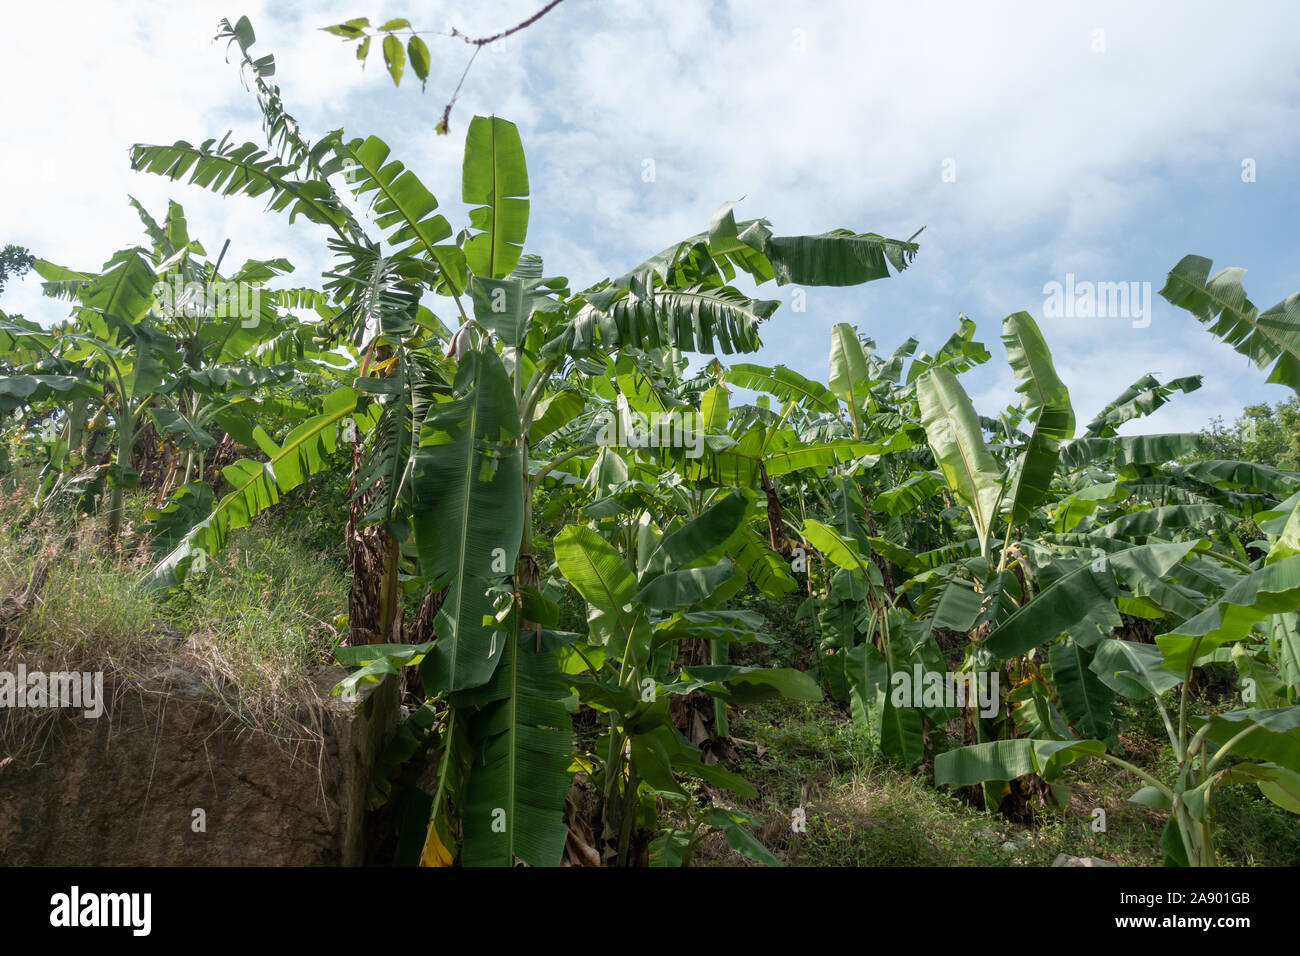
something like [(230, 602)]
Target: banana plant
[(112, 355), (460, 494), (1149, 558), (635, 619), (160, 342), (1259, 745), (1219, 302), (834, 448), (1061, 532)]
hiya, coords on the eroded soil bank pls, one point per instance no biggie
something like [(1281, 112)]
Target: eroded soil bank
[(169, 775)]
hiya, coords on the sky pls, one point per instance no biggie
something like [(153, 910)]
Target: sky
[(1033, 141)]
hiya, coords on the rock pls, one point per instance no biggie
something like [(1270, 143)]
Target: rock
[(1064, 859)]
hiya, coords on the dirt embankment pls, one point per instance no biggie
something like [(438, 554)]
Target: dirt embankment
[(168, 775)]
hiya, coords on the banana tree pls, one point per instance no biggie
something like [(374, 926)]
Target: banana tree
[(464, 474), (159, 340), (1259, 745), (677, 299), (1151, 558), (635, 619), (1010, 491), (1219, 302)]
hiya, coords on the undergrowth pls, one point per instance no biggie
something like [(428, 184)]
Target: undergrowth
[(249, 628)]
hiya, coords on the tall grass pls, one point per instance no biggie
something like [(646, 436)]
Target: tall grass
[(250, 627)]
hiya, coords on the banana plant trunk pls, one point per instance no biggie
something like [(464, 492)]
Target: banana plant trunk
[(374, 608), (125, 439), (374, 599)]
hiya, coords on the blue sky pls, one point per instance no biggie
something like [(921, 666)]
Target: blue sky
[(1102, 140)]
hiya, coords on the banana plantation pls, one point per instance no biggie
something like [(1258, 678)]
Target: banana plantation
[(586, 539)]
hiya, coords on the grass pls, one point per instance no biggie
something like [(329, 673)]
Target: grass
[(249, 627), (258, 618), (863, 811)]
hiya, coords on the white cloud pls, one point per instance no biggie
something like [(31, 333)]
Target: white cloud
[(1068, 160)]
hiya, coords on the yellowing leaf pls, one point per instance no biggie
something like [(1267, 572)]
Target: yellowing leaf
[(434, 853)]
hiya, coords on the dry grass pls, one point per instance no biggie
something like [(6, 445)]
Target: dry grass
[(862, 811), (247, 632)]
